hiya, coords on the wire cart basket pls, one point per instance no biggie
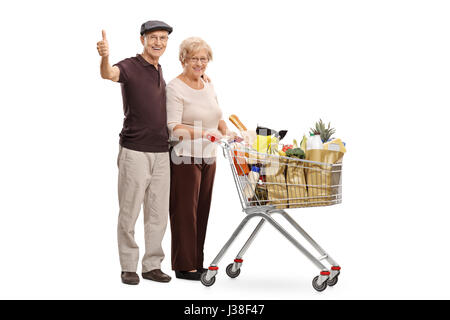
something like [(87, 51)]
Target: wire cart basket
[(282, 183)]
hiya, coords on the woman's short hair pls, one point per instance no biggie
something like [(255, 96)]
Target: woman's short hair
[(191, 45)]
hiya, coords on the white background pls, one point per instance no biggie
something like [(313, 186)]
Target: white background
[(377, 70)]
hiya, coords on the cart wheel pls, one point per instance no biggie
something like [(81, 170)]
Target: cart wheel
[(205, 282), (320, 288), (230, 272), (333, 281)]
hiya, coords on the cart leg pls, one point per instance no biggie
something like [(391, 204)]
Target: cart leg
[(335, 269), (212, 270), (238, 260), (296, 244)]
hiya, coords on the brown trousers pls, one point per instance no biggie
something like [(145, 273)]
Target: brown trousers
[(191, 186)]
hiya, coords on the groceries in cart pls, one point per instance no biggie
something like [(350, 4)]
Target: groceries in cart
[(289, 175)]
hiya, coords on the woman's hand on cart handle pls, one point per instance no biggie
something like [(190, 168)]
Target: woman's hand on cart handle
[(217, 137), (212, 136), (233, 137)]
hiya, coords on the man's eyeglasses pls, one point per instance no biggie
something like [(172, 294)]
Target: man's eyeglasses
[(153, 38)]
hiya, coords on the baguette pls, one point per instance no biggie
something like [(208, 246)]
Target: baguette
[(235, 120)]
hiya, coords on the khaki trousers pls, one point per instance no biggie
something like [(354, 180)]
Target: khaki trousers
[(144, 178)]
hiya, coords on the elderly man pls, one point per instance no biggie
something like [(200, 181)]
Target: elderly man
[(143, 160)]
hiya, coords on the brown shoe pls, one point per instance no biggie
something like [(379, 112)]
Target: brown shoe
[(156, 275), (130, 277)]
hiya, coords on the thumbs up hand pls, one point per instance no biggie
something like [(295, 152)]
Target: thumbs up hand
[(102, 46)]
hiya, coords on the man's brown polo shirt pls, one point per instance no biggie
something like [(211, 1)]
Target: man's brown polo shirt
[(144, 106)]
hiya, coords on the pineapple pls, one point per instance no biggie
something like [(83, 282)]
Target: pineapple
[(325, 132)]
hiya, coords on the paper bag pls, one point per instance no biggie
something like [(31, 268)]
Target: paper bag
[(321, 180), (296, 184), (275, 172)]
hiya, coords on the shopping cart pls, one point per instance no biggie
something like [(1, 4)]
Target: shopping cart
[(283, 183)]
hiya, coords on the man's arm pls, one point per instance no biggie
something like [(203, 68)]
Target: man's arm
[(106, 71)]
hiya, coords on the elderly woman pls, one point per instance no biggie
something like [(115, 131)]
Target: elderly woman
[(193, 115)]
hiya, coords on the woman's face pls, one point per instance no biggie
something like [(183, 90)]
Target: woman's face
[(196, 63)]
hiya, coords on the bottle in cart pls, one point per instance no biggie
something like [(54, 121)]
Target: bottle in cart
[(261, 195), (314, 142), (239, 159), (252, 179)]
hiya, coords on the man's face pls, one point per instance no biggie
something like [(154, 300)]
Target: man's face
[(155, 43)]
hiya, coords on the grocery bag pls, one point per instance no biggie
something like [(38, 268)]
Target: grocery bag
[(296, 183), (323, 180), (275, 172)]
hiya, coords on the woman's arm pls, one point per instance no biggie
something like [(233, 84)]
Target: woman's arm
[(183, 131), (223, 128)]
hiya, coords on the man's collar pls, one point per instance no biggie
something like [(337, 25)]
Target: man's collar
[(144, 62)]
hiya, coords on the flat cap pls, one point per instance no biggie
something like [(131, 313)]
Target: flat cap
[(153, 25)]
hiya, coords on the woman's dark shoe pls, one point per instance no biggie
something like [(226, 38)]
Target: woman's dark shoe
[(188, 275)]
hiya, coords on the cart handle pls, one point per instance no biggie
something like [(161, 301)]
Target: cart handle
[(213, 139)]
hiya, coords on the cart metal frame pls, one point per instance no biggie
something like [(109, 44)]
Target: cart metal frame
[(265, 211)]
